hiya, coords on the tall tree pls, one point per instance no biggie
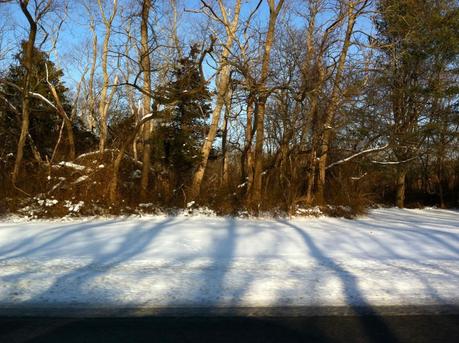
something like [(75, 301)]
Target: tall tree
[(185, 103), (105, 96), (352, 9), (222, 83), (411, 35), (262, 98), (145, 65), (42, 7), (45, 87)]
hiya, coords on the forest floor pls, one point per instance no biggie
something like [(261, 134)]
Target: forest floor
[(389, 258)]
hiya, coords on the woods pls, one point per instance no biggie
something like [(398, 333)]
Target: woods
[(239, 106)]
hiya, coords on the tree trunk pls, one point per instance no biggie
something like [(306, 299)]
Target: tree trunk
[(400, 192), (310, 49), (90, 119), (28, 55), (103, 99), (207, 146), (247, 154), (312, 163), (256, 196), (113, 187), (258, 171), (310, 177), (146, 69), (67, 122), (223, 80), (224, 175), (104, 103), (333, 105)]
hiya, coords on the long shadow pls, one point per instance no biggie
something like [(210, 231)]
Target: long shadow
[(214, 279), (64, 232), (369, 317), (223, 256), (392, 254), (210, 279), (134, 243), (402, 234), (432, 235)]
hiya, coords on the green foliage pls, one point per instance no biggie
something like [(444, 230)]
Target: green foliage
[(419, 45), (184, 107), (44, 121)]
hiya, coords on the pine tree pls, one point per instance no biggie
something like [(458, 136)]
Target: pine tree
[(184, 107), (44, 121), (417, 40)]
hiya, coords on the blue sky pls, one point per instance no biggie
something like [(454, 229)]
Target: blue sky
[(75, 33)]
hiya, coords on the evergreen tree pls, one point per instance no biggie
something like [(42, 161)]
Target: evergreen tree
[(184, 107), (44, 121), (417, 39)]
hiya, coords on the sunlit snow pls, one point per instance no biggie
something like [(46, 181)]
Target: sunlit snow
[(391, 257)]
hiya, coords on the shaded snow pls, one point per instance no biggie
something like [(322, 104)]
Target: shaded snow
[(391, 257)]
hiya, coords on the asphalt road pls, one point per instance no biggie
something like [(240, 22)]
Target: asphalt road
[(405, 328)]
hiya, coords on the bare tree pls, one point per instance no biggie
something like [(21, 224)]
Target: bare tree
[(222, 84), (146, 71), (105, 97), (91, 98), (34, 17), (262, 97), (353, 10)]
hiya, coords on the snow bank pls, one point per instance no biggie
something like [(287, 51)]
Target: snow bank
[(391, 257)]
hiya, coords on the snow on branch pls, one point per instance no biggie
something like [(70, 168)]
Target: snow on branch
[(367, 151), (72, 165), (93, 153), (356, 178), (35, 95), (394, 162), (42, 98), (145, 118)]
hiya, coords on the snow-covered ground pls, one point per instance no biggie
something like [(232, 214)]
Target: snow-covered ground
[(391, 257)]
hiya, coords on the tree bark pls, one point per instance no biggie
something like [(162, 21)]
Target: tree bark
[(33, 147), (28, 55), (146, 70), (247, 154), (91, 98), (223, 80), (314, 98), (224, 175), (256, 196), (104, 97), (333, 105), (225, 164), (400, 191), (113, 187), (65, 117)]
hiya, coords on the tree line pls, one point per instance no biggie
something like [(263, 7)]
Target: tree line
[(237, 105)]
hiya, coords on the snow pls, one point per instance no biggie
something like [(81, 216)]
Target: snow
[(80, 179), (72, 165), (47, 202), (391, 257), (363, 152), (311, 211), (74, 207)]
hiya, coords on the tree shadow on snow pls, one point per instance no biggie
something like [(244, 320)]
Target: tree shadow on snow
[(101, 260), (208, 284), (372, 323)]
